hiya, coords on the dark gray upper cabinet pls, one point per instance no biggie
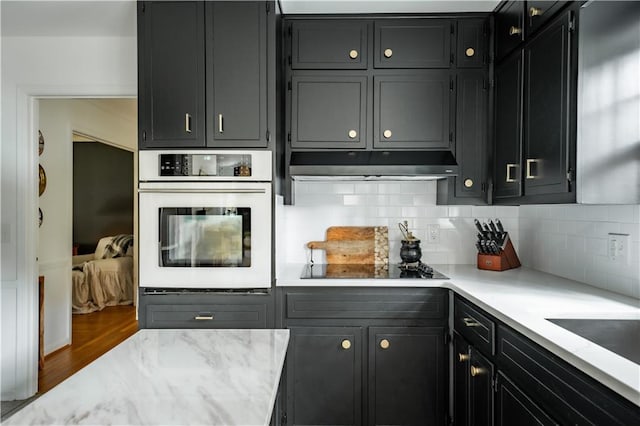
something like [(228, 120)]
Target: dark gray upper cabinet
[(507, 177), (548, 91), (328, 111), (413, 43), (202, 73), (412, 111), (323, 376), (509, 28), (329, 44), (471, 46), (406, 381), (171, 100), (236, 44)]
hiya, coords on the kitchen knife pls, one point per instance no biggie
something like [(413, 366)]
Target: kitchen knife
[(493, 227), (479, 247), (499, 225), (483, 245), (494, 247), (486, 227), (477, 222)]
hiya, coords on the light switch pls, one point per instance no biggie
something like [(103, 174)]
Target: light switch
[(618, 247)]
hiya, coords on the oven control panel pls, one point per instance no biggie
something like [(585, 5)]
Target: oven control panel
[(205, 165)]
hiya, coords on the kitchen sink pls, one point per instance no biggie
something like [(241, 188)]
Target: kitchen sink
[(621, 336)]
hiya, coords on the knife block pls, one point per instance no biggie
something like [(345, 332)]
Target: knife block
[(506, 259)]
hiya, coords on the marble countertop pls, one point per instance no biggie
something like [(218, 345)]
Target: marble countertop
[(523, 298), (171, 377)]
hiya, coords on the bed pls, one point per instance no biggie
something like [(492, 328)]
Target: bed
[(103, 278)]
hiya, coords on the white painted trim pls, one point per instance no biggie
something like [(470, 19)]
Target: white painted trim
[(27, 203)]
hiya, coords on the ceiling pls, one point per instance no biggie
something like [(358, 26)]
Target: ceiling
[(117, 18)]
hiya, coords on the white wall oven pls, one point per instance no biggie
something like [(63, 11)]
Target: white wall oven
[(205, 219)]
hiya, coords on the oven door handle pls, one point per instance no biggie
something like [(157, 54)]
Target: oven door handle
[(205, 191)]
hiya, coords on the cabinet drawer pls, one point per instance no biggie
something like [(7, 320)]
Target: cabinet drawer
[(342, 303), (206, 316), (329, 44), (565, 393), (474, 326), (413, 43)]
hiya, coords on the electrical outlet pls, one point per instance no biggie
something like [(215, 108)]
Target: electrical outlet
[(433, 233), (618, 247)]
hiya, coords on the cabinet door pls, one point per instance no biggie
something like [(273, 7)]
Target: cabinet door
[(546, 123), (171, 74), (328, 111), (324, 376), (480, 390), (461, 377), (509, 28), (471, 48), (236, 74), (471, 133), (412, 111), (413, 43), (508, 128), (407, 380), (329, 44), (513, 407)]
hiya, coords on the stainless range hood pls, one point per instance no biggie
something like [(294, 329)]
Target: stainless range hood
[(371, 165)]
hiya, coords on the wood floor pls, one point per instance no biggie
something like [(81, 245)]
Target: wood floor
[(92, 335)]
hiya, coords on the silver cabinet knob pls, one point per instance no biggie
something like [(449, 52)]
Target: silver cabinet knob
[(353, 134), (387, 133), (353, 54), (388, 53)]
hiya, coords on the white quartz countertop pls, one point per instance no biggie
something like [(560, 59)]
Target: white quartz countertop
[(171, 377), (523, 298)]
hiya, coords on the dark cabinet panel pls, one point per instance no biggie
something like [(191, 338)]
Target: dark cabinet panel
[(236, 74), (471, 46), (471, 133), (508, 128), (474, 326), (509, 28), (324, 368), (171, 74), (412, 111), (406, 375), (329, 44), (480, 389), (539, 12), (546, 116), (413, 43), (513, 407), (461, 360), (328, 111)]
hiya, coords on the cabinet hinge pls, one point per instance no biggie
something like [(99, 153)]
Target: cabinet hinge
[(570, 174), (485, 84), (144, 6), (453, 28), (289, 59), (268, 7), (494, 384), (447, 338), (289, 31), (289, 137), (268, 136), (483, 187), (450, 136), (451, 59), (451, 85), (289, 85), (283, 419), (144, 135), (492, 83)]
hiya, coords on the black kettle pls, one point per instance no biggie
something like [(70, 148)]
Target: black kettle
[(410, 251)]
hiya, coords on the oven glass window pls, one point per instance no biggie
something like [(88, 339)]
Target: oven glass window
[(205, 237)]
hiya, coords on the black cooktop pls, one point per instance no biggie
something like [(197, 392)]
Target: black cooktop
[(619, 336), (367, 271)]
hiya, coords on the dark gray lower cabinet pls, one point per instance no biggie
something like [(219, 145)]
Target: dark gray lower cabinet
[(405, 383), (460, 372), (324, 367), (364, 356), (480, 389), (513, 407)]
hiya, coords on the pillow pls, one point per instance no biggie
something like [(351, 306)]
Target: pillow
[(101, 247), (118, 246)]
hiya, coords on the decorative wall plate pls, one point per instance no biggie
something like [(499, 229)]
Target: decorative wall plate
[(40, 217), (42, 185), (40, 143)]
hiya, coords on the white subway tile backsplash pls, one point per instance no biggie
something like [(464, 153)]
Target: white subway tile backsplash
[(413, 211), (366, 188), (460, 211), (389, 187), (503, 212), (483, 212), (401, 200), (621, 213), (423, 200)]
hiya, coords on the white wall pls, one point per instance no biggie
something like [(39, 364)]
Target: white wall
[(565, 240), (32, 67), (58, 119)]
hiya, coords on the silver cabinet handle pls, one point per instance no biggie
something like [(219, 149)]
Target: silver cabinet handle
[(204, 317), (187, 123), (220, 125), (530, 161), (509, 168)]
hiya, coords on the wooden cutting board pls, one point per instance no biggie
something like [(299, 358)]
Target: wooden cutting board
[(355, 245)]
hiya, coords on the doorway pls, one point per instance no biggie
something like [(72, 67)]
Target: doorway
[(102, 133)]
